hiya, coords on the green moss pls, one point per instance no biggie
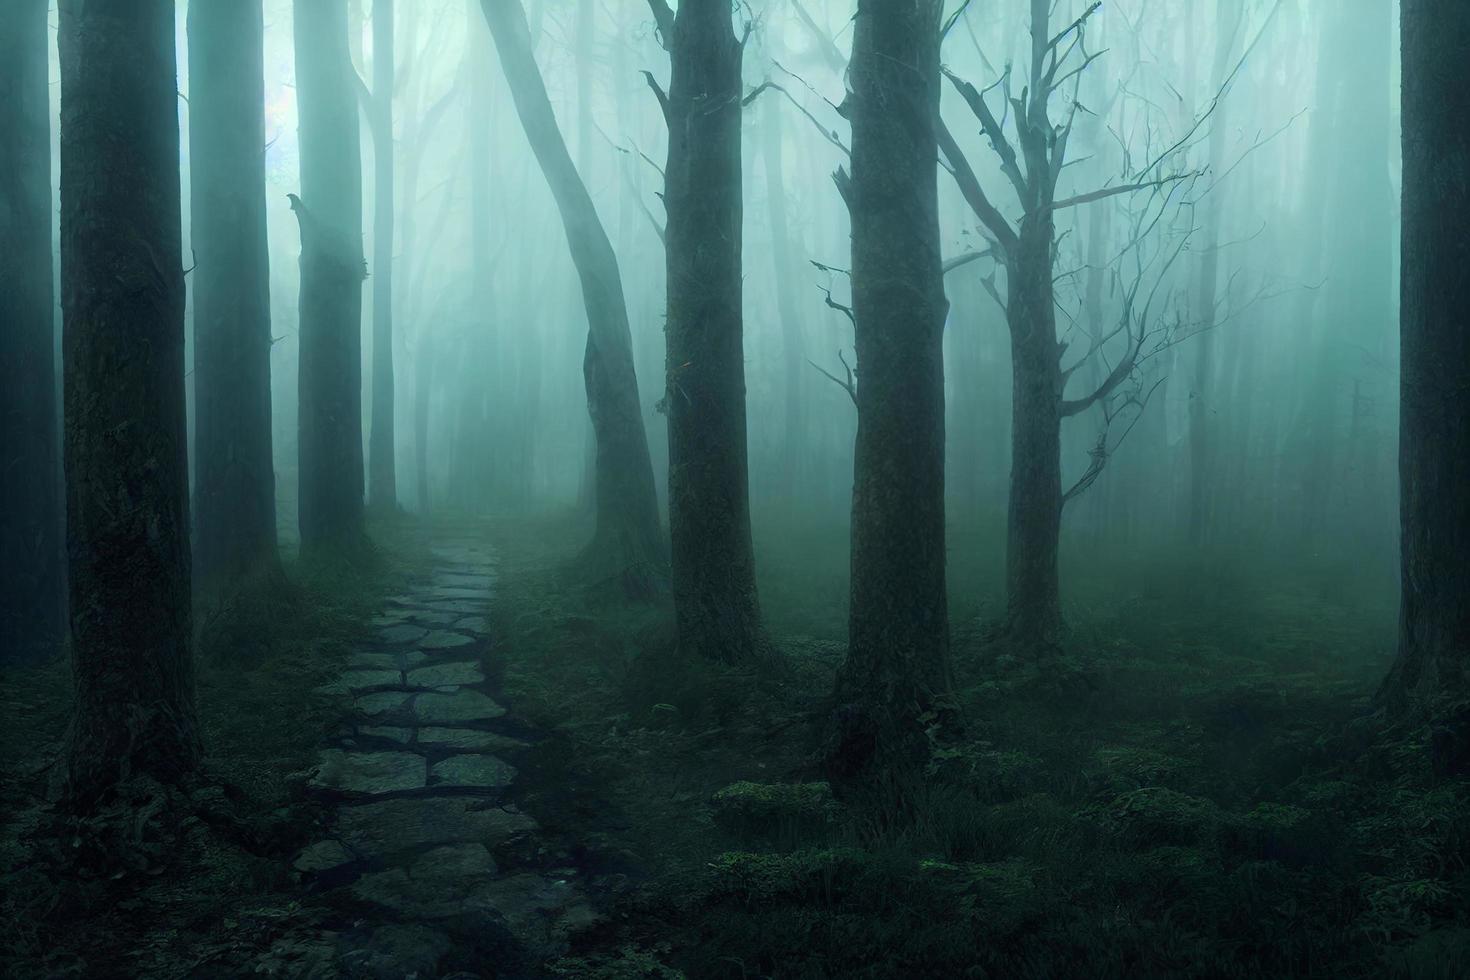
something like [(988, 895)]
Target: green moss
[(1155, 815), (784, 812), (1126, 768)]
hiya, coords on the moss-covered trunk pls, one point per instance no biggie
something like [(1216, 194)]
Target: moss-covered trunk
[(715, 605), (893, 683), (122, 297), (1434, 433), (32, 602)]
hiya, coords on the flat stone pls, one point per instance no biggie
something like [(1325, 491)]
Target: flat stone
[(473, 771), (382, 703), (469, 739), (392, 618), (452, 592), (369, 772), (453, 580), (324, 855), (444, 640), (435, 885), (432, 618), (446, 675), (390, 826), (456, 708), (460, 606), (473, 624), (373, 661), (366, 680), (403, 634), (392, 734)]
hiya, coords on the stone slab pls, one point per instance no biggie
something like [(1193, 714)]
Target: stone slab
[(457, 708), (391, 826), (446, 675), (369, 772), (473, 772)]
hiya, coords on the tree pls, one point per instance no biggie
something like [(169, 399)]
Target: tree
[(1026, 251), (329, 211), (235, 486), (32, 588), (716, 609), (122, 301), (382, 488), (1434, 454), (628, 535), (896, 678)]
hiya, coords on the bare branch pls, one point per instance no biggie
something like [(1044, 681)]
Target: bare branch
[(1107, 192), (1009, 163), (663, 99), (848, 385), (663, 18), (973, 193)]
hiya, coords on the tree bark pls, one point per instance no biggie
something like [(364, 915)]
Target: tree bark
[(1034, 516), (32, 585), (628, 534), (235, 484), (1434, 455), (896, 677), (382, 478), (332, 268), (122, 292), (716, 609)]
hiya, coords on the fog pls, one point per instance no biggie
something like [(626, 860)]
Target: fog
[(1278, 397)]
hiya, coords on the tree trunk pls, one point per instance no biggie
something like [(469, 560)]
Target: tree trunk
[(793, 350), (628, 534), (1034, 522), (382, 480), (1434, 454), (332, 268), (122, 296), (235, 483), (896, 677), (32, 587), (716, 609)]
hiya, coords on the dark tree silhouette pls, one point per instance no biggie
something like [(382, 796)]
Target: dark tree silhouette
[(628, 538), (895, 682), (1434, 432), (235, 486), (122, 299), (382, 483), (329, 211), (716, 609), (32, 605)]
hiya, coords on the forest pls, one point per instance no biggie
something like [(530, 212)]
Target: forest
[(734, 489)]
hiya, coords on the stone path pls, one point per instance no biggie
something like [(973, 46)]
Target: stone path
[(417, 788)]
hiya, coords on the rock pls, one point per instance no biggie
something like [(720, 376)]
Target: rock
[(460, 606), (399, 735), (386, 702), (401, 635), (445, 592), (473, 624), (324, 855), (392, 618), (391, 826), (463, 580), (356, 681), (541, 911), (373, 661), (469, 739), (444, 640), (369, 772), (436, 885), (396, 951), (433, 618), (784, 811), (474, 771), (456, 708), (446, 675)]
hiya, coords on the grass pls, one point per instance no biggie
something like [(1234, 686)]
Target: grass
[(1188, 791)]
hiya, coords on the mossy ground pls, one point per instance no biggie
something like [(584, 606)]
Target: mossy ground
[(1190, 790)]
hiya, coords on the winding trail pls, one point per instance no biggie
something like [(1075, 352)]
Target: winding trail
[(420, 835)]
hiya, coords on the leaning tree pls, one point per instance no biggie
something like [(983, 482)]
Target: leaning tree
[(122, 308), (628, 539)]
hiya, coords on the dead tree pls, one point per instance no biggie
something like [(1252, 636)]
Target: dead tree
[(1033, 152)]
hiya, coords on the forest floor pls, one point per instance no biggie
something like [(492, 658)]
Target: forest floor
[(1191, 790)]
